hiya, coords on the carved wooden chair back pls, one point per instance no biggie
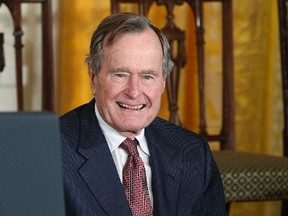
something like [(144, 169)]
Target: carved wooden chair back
[(283, 35), (14, 7)]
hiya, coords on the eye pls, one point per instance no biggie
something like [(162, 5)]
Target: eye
[(120, 75), (148, 77)]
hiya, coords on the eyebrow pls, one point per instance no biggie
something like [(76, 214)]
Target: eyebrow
[(115, 70), (124, 69), (149, 72)]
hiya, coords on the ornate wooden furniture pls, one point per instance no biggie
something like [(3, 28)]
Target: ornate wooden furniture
[(283, 35), (245, 176), (14, 7), (2, 60)]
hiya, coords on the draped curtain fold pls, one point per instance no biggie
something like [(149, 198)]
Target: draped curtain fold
[(257, 72)]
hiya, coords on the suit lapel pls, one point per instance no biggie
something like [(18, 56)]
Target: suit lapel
[(99, 171), (165, 174), (100, 174)]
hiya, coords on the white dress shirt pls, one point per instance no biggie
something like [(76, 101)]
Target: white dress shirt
[(114, 139)]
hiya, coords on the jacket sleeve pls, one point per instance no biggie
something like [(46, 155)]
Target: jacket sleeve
[(213, 194), (208, 196)]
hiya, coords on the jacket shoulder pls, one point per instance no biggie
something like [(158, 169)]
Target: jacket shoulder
[(70, 124), (173, 132), (178, 142)]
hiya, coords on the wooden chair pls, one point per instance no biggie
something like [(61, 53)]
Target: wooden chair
[(245, 176), (14, 7), (2, 60), (283, 35)]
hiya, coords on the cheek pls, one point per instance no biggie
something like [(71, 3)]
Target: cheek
[(156, 94), (97, 84), (103, 90), (160, 88)]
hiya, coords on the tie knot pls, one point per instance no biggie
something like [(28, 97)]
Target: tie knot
[(130, 146)]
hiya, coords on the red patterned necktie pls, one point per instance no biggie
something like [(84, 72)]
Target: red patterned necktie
[(134, 181)]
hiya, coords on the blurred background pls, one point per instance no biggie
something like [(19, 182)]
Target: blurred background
[(258, 96)]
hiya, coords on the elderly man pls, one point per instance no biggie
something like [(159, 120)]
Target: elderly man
[(118, 157)]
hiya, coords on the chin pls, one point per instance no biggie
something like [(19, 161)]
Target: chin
[(133, 124), (132, 128)]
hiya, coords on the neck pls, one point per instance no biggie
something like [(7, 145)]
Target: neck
[(130, 134)]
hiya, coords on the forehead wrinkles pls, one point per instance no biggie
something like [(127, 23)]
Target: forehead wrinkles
[(149, 36), (111, 40)]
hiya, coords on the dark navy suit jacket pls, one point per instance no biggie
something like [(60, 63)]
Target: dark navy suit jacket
[(185, 178)]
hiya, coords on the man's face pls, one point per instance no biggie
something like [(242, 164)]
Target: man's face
[(129, 85)]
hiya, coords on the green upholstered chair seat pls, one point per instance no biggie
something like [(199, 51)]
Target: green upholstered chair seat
[(250, 177)]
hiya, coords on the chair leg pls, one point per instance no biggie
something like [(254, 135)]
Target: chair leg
[(284, 208), (228, 205)]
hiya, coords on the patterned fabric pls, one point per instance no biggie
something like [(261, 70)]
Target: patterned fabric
[(134, 181), (250, 177)]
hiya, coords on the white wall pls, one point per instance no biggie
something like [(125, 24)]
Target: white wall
[(31, 24)]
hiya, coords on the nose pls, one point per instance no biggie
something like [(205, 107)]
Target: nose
[(133, 89)]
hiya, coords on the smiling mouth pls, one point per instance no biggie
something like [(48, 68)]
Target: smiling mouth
[(126, 106)]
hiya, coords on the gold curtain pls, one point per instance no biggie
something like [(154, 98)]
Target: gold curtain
[(257, 72)]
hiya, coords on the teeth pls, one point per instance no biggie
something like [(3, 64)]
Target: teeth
[(126, 106)]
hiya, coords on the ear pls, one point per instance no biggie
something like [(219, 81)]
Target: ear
[(92, 80), (164, 85)]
